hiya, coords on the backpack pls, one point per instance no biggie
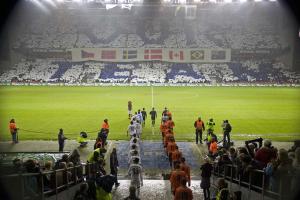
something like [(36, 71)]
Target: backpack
[(106, 182), (229, 128)]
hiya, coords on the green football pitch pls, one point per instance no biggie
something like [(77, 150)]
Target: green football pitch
[(252, 111)]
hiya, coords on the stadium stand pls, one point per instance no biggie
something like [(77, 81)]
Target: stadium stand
[(250, 71), (261, 168), (41, 175), (64, 30), (52, 175)]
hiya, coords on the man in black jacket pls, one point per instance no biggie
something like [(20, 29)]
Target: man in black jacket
[(114, 165), (226, 133), (61, 140)]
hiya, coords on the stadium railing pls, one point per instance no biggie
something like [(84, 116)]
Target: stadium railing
[(17, 189), (256, 181)]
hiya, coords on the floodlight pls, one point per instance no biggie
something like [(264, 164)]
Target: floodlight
[(110, 6)]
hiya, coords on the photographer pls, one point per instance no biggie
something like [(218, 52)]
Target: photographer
[(253, 145), (210, 126)]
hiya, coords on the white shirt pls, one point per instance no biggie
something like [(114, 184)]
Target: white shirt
[(135, 173), (138, 128), (131, 129), (130, 161)]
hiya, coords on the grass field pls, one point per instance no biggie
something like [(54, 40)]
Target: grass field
[(270, 112)]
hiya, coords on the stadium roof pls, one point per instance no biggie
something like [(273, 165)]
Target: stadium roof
[(176, 2)]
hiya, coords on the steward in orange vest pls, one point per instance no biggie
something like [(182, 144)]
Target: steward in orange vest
[(199, 126)]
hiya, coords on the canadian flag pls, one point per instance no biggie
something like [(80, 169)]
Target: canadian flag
[(176, 55), (86, 54)]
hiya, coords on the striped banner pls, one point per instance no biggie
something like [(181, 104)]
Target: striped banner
[(151, 54)]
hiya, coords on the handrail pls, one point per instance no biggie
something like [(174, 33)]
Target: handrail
[(41, 192), (35, 152), (237, 178), (44, 173)]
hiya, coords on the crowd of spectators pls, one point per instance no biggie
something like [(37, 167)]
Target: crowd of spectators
[(69, 171), (65, 30), (248, 72), (279, 166)]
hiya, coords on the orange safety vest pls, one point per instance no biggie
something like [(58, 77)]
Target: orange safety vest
[(170, 124), (176, 155), (176, 177), (168, 136), (105, 125), (199, 124), (184, 167), (171, 147), (213, 148), (12, 127)]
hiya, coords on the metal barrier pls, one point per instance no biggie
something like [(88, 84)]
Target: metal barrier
[(230, 173), (21, 191)]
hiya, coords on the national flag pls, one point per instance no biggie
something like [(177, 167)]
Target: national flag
[(85, 54), (197, 55), (108, 54), (153, 54), (176, 55), (218, 55), (129, 54)]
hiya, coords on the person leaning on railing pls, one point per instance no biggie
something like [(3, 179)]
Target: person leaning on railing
[(280, 172), (47, 177), (266, 153), (296, 179), (31, 183), (223, 192), (62, 176)]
